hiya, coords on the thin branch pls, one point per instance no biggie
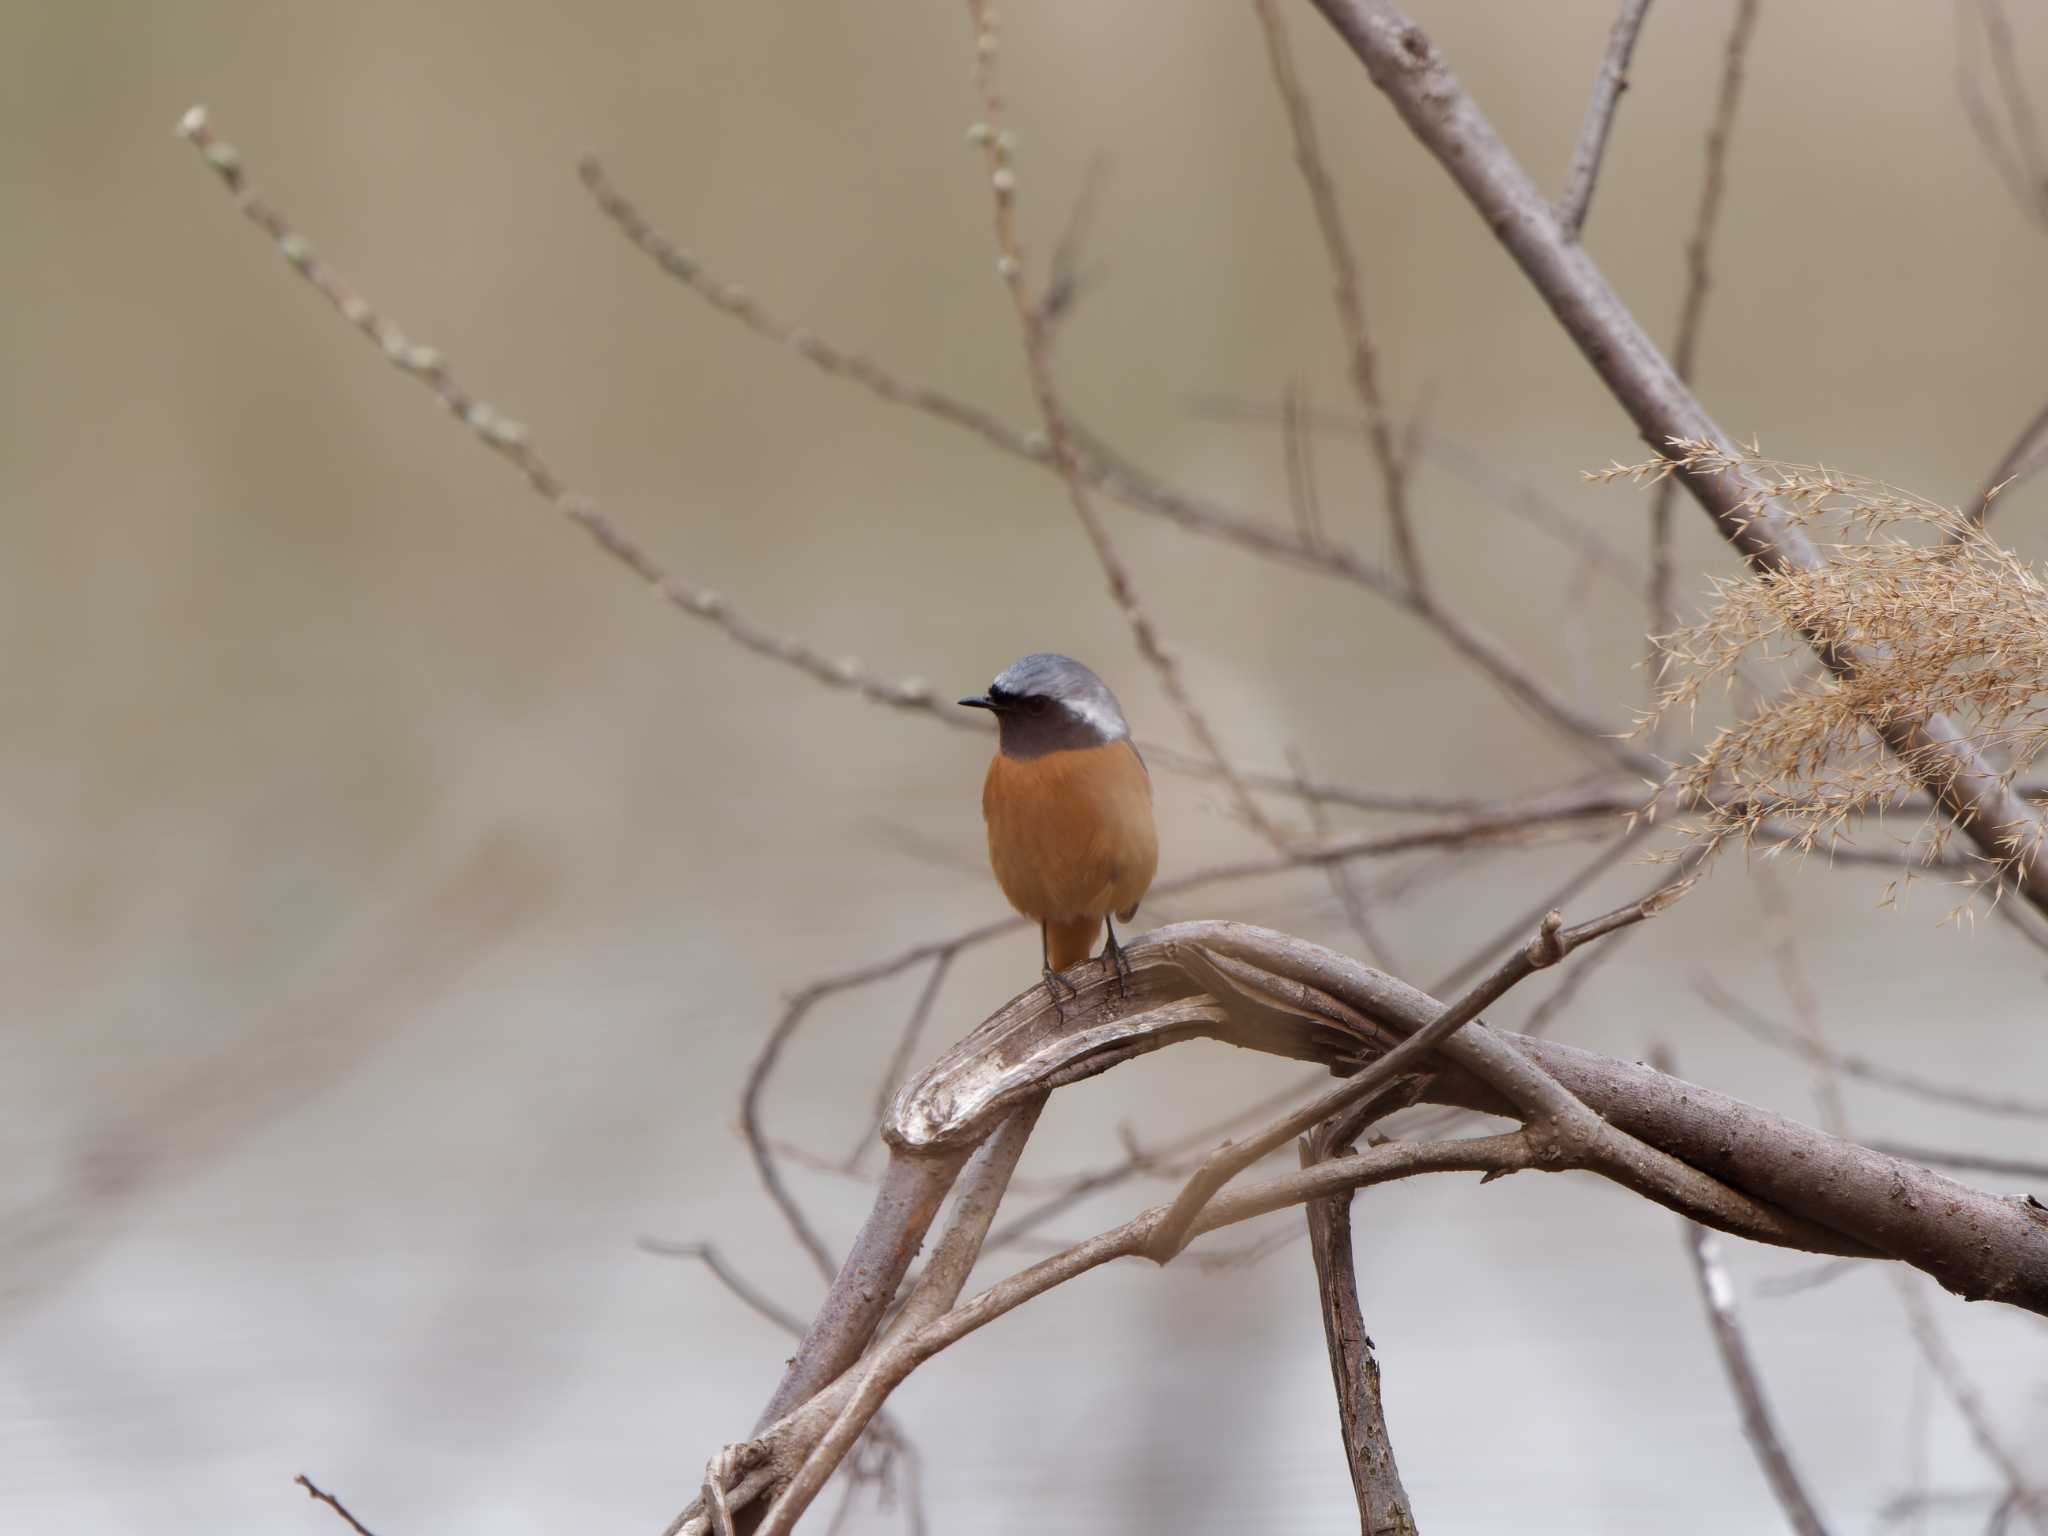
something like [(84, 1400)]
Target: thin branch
[(314, 1491), (1343, 884), (1663, 610), (1159, 1160), (510, 440), (2015, 147), (1554, 899), (1523, 502), (1383, 1508), (1846, 1064), (1717, 1292), (1103, 470), (894, 1444), (1592, 146), (899, 1058), (1362, 357), (1553, 942), (1002, 175), (708, 1255), (1064, 279), (1977, 1162), (1947, 1369), (1518, 499), (1569, 984), (1302, 492), (1406, 66), (1811, 1278), (2025, 457), (757, 1139)]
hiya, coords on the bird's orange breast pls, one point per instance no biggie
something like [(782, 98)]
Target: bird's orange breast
[(1070, 834)]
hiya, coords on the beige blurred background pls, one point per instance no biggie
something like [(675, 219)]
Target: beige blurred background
[(395, 896)]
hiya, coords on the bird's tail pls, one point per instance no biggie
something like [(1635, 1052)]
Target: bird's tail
[(1068, 944)]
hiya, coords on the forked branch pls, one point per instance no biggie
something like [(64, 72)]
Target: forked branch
[(1409, 71)]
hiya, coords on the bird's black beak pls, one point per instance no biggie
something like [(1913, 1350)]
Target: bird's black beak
[(979, 703)]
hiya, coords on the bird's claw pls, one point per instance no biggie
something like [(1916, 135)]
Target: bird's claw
[(1115, 961), (1053, 982)]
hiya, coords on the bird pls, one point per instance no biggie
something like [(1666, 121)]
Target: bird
[(1068, 802)]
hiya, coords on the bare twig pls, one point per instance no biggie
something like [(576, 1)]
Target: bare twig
[(1518, 499), (708, 1255), (2023, 1498), (1383, 1508), (1064, 280), (895, 1445), (1553, 899), (1525, 503), (1299, 443), (2026, 456), (510, 440), (996, 147), (1553, 942), (899, 1058), (1717, 1291), (1811, 1278), (1343, 884), (2014, 147), (1569, 984), (1592, 145), (1977, 1162), (1685, 355), (1362, 357), (1103, 470), (313, 1490), (757, 1139), (1405, 65), (2026, 1500), (1848, 1064)]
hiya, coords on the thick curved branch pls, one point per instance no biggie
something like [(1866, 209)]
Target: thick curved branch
[(1752, 1172), (1824, 1194)]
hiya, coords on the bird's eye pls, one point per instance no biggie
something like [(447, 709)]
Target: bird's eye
[(1037, 706)]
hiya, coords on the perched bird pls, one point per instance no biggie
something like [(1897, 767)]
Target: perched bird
[(1068, 803)]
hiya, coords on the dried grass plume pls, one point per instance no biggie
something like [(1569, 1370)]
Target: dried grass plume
[(1923, 611)]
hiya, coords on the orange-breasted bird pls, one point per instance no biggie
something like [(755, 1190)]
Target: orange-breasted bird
[(1068, 803)]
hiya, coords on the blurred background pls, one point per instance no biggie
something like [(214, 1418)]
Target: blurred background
[(395, 896)]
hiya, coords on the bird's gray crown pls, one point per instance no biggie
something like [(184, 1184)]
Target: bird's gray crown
[(1051, 703)]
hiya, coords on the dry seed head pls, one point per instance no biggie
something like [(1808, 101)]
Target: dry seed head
[(1938, 618)]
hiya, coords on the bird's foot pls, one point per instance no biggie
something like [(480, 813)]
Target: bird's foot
[(1114, 959), (1053, 982)]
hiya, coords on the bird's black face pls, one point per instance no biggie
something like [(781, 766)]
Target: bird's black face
[(1048, 703), (1000, 701)]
